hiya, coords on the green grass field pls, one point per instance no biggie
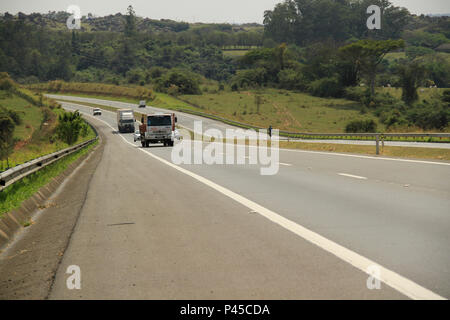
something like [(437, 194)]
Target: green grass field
[(31, 115), (285, 110), (281, 109)]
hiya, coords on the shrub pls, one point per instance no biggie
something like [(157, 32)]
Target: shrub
[(361, 126), (69, 126), (7, 142), (6, 84), (356, 93), (186, 82), (249, 78), (291, 80), (173, 90), (429, 115), (135, 75), (446, 96), (326, 87)]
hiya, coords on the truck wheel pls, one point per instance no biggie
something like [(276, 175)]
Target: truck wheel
[(143, 144), (171, 143), (147, 144)]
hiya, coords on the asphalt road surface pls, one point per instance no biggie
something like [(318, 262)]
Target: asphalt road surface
[(187, 120), (152, 230)]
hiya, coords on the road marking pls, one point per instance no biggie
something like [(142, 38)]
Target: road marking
[(352, 176), (390, 278), (285, 164)]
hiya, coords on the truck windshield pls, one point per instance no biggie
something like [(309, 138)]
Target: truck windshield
[(160, 121), (127, 121)]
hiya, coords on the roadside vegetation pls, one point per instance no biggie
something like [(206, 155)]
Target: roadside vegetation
[(136, 93), (31, 125), (313, 66), (12, 196)]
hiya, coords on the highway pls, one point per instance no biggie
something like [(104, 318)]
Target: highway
[(153, 230), (187, 121)]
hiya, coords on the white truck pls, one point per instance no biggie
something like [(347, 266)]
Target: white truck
[(125, 120), (158, 128)]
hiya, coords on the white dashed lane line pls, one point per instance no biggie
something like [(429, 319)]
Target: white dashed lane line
[(285, 164), (352, 176)]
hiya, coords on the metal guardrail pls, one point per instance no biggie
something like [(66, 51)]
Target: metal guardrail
[(21, 171), (376, 137)]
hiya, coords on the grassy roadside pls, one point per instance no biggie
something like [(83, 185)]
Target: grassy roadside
[(12, 197), (35, 134)]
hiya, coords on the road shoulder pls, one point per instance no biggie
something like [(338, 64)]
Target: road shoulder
[(28, 265)]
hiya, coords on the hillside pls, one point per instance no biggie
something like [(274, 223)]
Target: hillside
[(35, 133)]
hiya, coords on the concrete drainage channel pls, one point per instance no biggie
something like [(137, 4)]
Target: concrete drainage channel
[(13, 221)]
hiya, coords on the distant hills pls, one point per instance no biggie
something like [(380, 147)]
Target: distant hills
[(115, 23)]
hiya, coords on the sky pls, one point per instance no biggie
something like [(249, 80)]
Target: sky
[(231, 11)]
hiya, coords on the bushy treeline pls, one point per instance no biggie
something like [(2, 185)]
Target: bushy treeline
[(304, 22), (432, 113), (32, 53), (182, 33), (322, 47)]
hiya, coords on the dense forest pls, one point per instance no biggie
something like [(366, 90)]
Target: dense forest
[(322, 47)]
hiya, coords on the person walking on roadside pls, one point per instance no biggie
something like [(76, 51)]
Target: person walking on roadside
[(269, 131)]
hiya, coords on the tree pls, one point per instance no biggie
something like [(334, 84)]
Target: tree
[(411, 75), (130, 22), (7, 126), (367, 55), (69, 127)]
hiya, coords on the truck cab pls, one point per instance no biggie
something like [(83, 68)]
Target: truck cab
[(158, 128)]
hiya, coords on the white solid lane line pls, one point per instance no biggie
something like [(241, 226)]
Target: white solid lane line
[(392, 279), (352, 176)]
